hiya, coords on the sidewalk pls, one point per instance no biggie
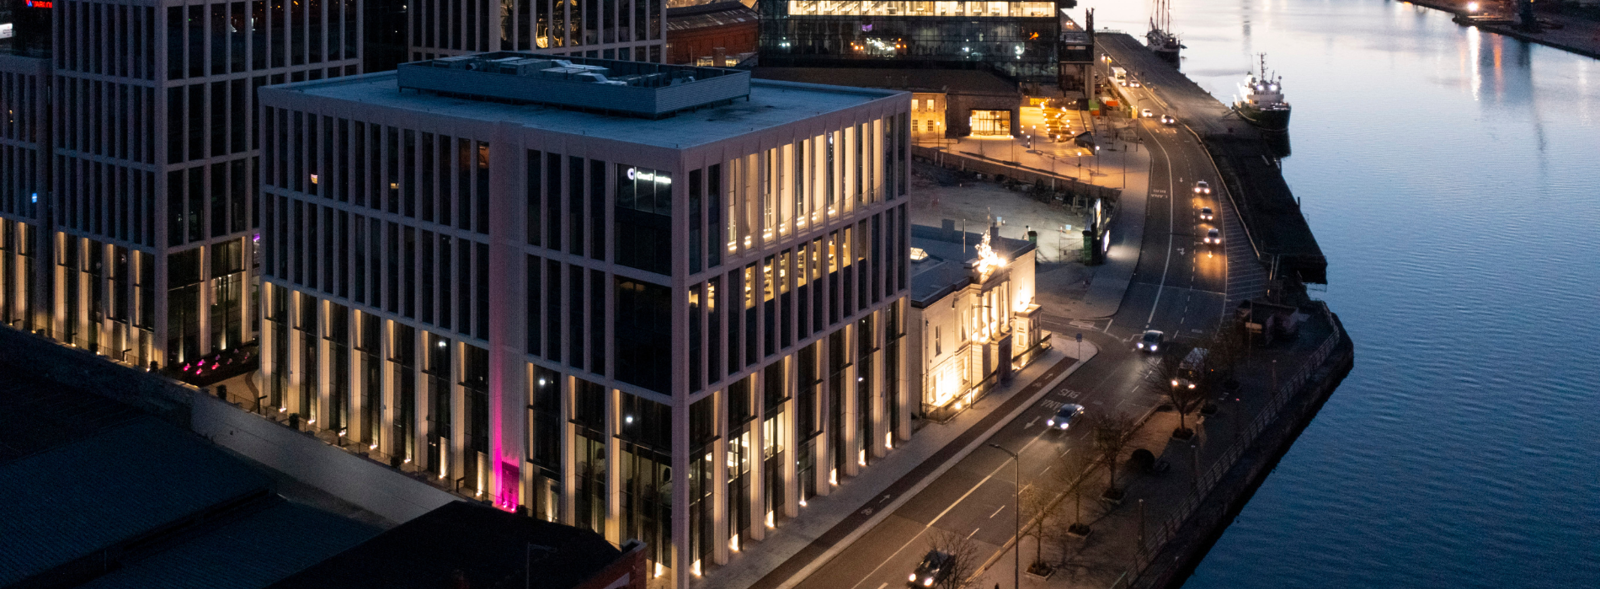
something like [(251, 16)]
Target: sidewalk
[(1107, 556), (830, 524)]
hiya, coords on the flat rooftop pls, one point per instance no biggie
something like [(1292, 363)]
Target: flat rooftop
[(769, 104)]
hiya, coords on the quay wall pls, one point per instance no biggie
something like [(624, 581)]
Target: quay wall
[(1175, 559)]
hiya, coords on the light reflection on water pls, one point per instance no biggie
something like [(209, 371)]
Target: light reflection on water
[(1453, 180)]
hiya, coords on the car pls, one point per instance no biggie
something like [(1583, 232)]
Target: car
[(1205, 213), (1132, 83), (935, 567), (1146, 114), (1202, 187), (1213, 236), (1065, 416), (1168, 120), (1150, 342)]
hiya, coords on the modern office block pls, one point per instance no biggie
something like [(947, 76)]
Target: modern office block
[(128, 222), (1016, 40), (24, 177), (663, 303), (627, 30)]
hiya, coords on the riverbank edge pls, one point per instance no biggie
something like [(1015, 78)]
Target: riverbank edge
[(1509, 31), (1222, 505)]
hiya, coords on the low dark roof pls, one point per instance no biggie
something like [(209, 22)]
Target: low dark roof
[(488, 546), (246, 553), (716, 14), (945, 270), (913, 79), (109, 489), (36, 416)]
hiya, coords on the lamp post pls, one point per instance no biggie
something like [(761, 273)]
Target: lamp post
[(1016, 538)]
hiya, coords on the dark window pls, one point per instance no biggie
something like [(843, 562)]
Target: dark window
[(643, 334)]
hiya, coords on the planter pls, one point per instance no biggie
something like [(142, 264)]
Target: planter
[(1040, 571), (1209, 409), (1112, 496), (1079, 530), (1183, 434)]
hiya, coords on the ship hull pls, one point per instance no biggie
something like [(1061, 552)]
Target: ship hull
[(1273, 120)]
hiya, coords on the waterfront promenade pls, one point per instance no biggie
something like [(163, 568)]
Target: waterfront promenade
[(1575, 34)]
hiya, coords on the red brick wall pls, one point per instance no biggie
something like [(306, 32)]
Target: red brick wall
[(684, 47)]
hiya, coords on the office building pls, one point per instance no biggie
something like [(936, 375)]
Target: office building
[(663, 303), (1014, 40), (627, 30), (974, 322), (127, 202)]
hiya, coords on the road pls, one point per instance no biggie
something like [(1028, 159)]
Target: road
[(1179, 287)]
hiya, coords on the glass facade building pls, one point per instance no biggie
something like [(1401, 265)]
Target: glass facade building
[(1015, 40), (675, 329), (628, 30)]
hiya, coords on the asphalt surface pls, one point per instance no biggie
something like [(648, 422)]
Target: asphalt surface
[(1178, 287)]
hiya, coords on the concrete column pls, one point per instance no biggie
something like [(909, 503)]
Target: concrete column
[(109, 343), (419, 398), (852, 410), (387, 388), (569, 461), (204, 299), (880, 409), (681, 560), (907, 394), (613, 507), (719, 479), (295, 376), (758, 462), (791, 437), (352, 377), (822, 457), (458, 422), (324, 375)]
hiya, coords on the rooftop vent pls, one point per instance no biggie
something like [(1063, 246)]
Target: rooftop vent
[(620, 87)]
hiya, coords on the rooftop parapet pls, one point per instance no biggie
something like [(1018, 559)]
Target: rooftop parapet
[(629, 88)]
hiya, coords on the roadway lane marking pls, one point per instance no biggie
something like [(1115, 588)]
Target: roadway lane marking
[(941, 515), (1031, 422), (974, 532), (1171, 213), (997, 512), (885, 584)]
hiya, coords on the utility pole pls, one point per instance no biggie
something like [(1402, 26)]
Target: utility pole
[(1016, 538)]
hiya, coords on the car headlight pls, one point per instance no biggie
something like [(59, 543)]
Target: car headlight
[(1064, 425), (1051, 423), (913, 577), (1152, 347), (1139, 345), (928, 582)]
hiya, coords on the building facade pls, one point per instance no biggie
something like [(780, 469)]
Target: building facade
[(974, 321), (562, 295), (129, 222), (1014, 40), (698, 32), (627, 30)]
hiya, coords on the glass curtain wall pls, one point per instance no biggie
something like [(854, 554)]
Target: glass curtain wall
[(589, 408), (544, 443), (646, 462), (1016, 40)]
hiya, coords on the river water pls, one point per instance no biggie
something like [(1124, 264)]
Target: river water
[(1452, 178)]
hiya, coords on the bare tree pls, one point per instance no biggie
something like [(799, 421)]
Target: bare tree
[(1226, 349), (1039, 505), (1183, 393), (1111, 434), (963, 558)]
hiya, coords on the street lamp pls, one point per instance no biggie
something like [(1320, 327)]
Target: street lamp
[(1016, 538)]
